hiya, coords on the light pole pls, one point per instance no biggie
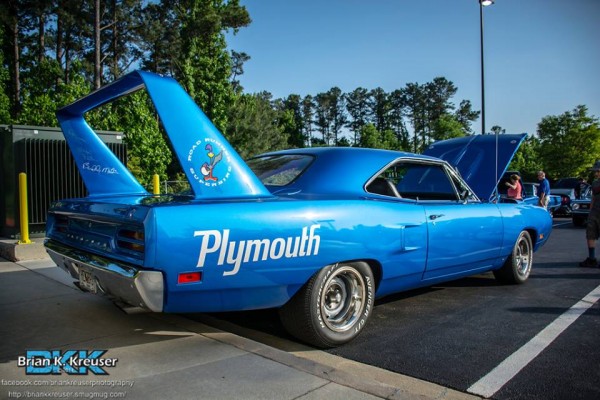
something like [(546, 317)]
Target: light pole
[(482, 3)]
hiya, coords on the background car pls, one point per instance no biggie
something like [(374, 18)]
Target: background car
[(580, 208), (565, 188), (530, 196)]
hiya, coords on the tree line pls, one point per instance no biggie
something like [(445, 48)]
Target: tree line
[(55, 51)]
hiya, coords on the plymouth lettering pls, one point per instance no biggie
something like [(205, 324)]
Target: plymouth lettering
[(235, 253)]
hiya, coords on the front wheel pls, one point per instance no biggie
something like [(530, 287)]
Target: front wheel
[(517, 267), (333, 307)]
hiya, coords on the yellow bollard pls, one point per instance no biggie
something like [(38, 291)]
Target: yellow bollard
[(156, 184), (23, 209)]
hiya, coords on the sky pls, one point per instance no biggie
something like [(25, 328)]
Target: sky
[(541, 57)]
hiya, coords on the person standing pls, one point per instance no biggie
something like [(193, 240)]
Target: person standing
[(514, 187), (592, 230), (543, 189), (580, 188)]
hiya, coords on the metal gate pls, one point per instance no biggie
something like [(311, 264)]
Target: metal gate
[(44, 156)]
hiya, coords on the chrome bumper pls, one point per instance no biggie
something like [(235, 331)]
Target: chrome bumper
[(116, 280)]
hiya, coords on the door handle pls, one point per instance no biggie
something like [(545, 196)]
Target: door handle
[(433, 217)]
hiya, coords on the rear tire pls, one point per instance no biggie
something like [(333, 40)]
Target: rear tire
[(518, 265), (333, 307)]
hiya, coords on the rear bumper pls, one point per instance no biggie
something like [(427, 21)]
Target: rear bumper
[(110, 278), (583, 214)]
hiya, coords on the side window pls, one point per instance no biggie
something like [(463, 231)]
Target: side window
[(415, 180), (383, 186), (464, 192)]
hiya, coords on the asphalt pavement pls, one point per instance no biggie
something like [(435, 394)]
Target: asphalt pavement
[(58, 342)]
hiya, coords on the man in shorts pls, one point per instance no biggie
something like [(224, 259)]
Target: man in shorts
[(592, 232), (543, 189)]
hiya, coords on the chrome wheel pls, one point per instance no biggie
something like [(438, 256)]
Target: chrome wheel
[(333, 307), (523, 255), (343, 299), (518, 265)]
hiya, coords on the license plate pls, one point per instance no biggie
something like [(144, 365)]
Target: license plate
[(87, 281)]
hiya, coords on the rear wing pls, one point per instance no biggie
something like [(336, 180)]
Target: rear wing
[(213, 168)]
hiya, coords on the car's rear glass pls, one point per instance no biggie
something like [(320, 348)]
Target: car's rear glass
[(279, 170)]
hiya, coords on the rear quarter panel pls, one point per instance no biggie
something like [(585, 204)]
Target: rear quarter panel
[(301, 236)]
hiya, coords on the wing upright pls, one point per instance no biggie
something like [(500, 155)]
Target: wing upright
[(195, 140)]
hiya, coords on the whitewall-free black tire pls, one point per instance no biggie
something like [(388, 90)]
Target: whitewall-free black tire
[(333, 307), (518, 265)]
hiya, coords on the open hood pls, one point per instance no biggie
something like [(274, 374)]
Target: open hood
[(480, 159), (212, 166)]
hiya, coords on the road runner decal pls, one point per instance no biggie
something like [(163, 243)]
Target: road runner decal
[(235, 253), (214, 156)]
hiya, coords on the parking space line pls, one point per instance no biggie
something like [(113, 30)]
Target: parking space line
[(561, 223), (510, 367)]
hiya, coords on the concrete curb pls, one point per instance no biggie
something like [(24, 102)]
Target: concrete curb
[(361, 377), (12, 250)]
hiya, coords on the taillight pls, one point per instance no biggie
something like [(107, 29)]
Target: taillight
[(61, 223), (131, 234), (130, 239)]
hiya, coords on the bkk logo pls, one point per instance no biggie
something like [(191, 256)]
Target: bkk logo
[(214, 161), (237, 252), (73, 362)]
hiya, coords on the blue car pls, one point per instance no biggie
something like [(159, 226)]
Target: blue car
[(319, 233)]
